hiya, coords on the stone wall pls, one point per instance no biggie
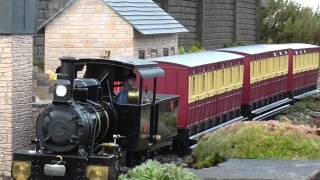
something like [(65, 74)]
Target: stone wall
[(86, 29), (46, 9), (15, 97), (155, 45)]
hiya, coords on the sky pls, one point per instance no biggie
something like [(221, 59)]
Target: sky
[(311, 3)]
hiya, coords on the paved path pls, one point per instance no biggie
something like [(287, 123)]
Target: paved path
[(235, 169)]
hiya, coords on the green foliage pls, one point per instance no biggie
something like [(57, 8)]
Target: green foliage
[(153, 170), (234, 44), (39, 63), (197, 47), (252, 140), (284, 21), (182, 50)]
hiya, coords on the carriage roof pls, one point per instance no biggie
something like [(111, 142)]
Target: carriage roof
[(255, 49), (199, 58)]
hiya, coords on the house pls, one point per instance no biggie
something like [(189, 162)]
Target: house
[(212, 23), (123, 28)]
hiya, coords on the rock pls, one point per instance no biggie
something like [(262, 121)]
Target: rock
[(236, 169)]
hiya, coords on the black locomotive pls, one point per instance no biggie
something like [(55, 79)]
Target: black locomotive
[(89, 126)]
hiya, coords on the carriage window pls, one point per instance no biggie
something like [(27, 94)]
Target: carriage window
[(268, 66), (193, 89), (254, 70), (212, 80), (313, 60), (265, 67), (281, 64), (295, 63), (278, 64), (203, 89), (222, 78), (316, 62), (260, 69), (231, 74), (240, 72)]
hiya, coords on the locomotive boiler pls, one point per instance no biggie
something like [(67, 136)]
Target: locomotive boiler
[(96, 121)]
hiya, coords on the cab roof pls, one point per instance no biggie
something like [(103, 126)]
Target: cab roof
[(147, 69), (198, 59)]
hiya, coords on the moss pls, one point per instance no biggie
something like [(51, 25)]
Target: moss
[(252, 140), (157, 171)]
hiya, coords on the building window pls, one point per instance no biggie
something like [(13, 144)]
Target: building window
[(154, 53), (173, 51), (142, 54), (165, 51)]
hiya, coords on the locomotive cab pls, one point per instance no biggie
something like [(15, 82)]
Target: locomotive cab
[(93, 119)]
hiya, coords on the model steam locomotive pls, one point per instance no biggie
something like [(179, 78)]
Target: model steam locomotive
[(91, 125), (83, 132)]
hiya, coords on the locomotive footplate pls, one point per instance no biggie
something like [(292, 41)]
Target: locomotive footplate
[(29, 165)]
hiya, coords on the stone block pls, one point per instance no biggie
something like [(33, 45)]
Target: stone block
[(15, 93), (262, 169)]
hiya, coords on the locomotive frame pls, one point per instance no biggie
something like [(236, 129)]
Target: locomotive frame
[(86, 133)]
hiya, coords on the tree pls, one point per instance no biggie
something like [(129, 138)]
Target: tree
[(284, 21)]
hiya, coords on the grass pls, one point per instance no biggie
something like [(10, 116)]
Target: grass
[(258, 140)]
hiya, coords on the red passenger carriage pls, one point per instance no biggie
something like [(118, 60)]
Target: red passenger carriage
[(209, 85), (265, 78), (304, 67)]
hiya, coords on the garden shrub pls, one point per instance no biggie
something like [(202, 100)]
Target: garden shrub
[(153, 170), (197, 47), (258, 140)]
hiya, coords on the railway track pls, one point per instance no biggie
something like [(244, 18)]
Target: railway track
[(259, 117)]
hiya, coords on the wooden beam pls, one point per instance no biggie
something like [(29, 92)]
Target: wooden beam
[(201, 22), (258, 23), (235, 35)]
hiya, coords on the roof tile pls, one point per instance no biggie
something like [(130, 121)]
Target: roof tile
[(146, 16)]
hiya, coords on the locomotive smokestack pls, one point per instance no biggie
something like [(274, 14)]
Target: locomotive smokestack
[(68, 68), (64, 84)]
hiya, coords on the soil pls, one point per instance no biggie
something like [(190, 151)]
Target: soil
[(305, 112)]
